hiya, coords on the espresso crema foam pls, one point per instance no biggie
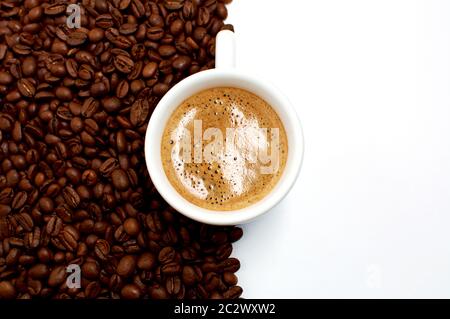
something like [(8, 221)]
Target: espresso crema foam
[(224, 149)]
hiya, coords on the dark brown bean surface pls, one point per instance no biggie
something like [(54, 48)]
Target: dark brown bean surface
[(74, 189)]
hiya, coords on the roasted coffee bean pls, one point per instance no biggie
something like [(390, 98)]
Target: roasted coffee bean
[(6, 78), (13, 256), (46, 204), (130, 291), (171, 269), (230, 265), (71, 197), (123, 64), (126, 266), (173, 285), (26, 88), (19, 200), (173, 4), (120, 179), (131, 226), (160, 89), (191, 275), (102, 249), (111, 104), (150, 70), (230, 278), (4, 210), (182, 63), (90, 270), (123, 4), (69, 238), (90, 107), (77, 38), (146, 261), (122, 89), (139, 112), (158, 292), (55, 8), (166, 255), (29, 66), (7, 290), (155, 33), (96, 35), (57, 276), (39, 271), (92, 290), (74, 188)]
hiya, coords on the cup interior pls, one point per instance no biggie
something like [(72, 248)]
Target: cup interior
[(213, 79)]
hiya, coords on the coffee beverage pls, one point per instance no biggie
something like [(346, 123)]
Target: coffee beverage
[(224, 149), (74, 189)]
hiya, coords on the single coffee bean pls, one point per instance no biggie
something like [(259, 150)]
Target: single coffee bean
[(120, 179), (90, 270), (64, 94), (55, 8), (4, 210), (150, 70), (166, 50), (126, 266), (160, 89), (46, 204), (77, 38), (130, 291), (26, 88), (57, 276), (190, 275), (102, 249), (123, 63), (158, 292), (7, 290), (29, 66), (139, 112), (173, 285), (177, 27), (124, 4), (111, 104), (90, 107), (19, 200), (96, 35), (5, 78), (230, 278), (71, 197), (182, 63), (166, 255), (122, 89), (39, 271), (131, 226), (92, 290), (173, 4), (146, 261)]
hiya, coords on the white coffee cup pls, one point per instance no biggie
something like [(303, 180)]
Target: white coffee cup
[(224, 75)]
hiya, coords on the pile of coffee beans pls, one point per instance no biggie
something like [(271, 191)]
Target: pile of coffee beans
[(74, 189)]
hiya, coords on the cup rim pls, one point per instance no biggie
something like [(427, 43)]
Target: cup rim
[(230, 78)]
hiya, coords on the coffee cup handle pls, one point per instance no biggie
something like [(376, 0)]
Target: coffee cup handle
[(225, 50)]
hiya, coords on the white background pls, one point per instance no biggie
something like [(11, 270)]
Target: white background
[(369, 215)]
